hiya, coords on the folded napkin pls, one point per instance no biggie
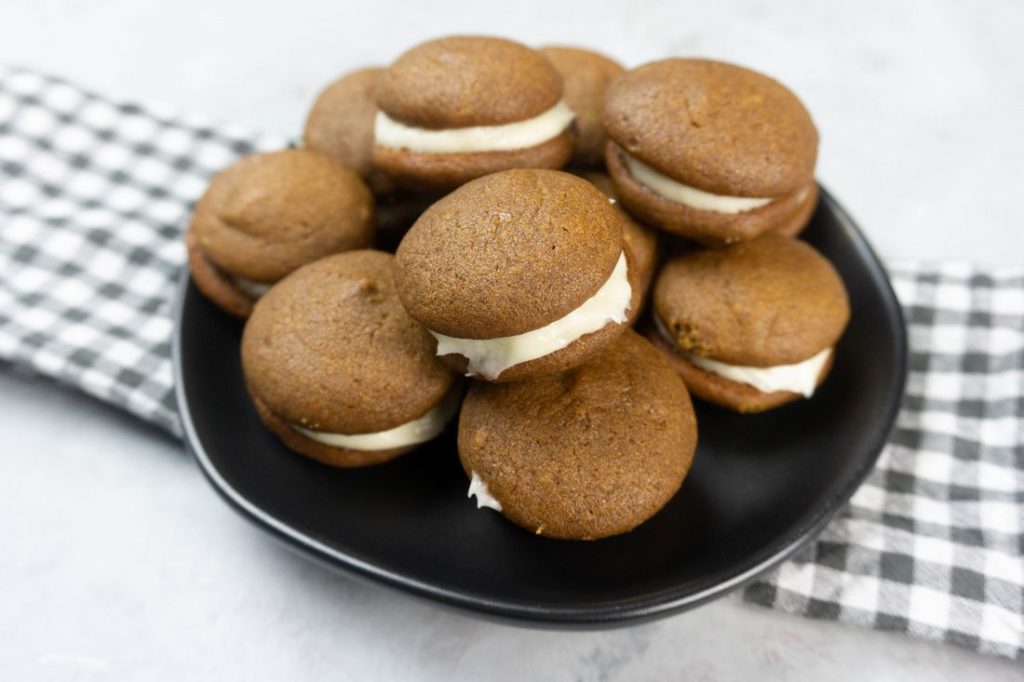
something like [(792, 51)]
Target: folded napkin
[(94, 195)]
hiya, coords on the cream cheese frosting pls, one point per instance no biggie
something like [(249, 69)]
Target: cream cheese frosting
[(390, 133), (414, 432), (800, 377), (478, 489), (251, 288), (673, 190), (490, 357)]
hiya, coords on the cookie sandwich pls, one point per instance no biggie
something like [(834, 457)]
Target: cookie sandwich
[(753, 325), (582, 455), (340, 125), (519, 273), (269, 214), (711, 151), (457, 108), (585, 75), (338, 370)]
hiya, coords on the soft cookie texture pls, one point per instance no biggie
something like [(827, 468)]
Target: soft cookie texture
[(463, 82), (585, 454), (340, 125), (332, 350), (586, 75), (269, 214), (511, 253), (769, 302), (717, 128)]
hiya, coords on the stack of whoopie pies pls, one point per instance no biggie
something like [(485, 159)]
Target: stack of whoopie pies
[(687, 180)]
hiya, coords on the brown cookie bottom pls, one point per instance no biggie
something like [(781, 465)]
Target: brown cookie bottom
[(214, 283), (795, 224), (426, 171), (577, 352), (674, 244), (321, 452), (709, 228), (714, 388)]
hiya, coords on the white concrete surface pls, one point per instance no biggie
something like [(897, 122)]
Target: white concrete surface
[(117, 562)]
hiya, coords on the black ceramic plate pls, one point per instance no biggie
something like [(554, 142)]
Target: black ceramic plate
[(760, 486)]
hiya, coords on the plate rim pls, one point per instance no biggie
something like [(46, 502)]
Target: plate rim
[(584, 616)]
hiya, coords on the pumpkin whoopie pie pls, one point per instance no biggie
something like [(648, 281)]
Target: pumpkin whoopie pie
[(519, 273), (585, 454), (585, 75), (753, 325), (338, 370), (340, 125), (714, 152), (457, 108), (269, 214)]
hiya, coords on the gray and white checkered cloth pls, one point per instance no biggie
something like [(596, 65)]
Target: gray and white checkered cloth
[(94, 194)]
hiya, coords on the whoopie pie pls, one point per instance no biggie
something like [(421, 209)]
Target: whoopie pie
[(338, 370), (340, 125), (585, 75), (753, 325), (711, 151), (519, 273), (457, 108), (269, 214)]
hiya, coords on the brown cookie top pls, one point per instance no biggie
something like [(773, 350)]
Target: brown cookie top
[(585, 75), (585, 454), (718, 127), (508, 253), (332, 349), (340, 124), (269, 214), (463, 81), (770, 301)]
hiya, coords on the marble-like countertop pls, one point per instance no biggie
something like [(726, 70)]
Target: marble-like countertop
[(117, 560)]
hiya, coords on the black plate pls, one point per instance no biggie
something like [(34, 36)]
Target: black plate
[(760, 487)]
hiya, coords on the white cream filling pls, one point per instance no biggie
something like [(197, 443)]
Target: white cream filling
[(417, 431), (251, 287), (800, 377), (478, 488), (490, 357), (673, 190), (388, 132)]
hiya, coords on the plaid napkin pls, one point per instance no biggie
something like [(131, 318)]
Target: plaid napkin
[(94, 194), (931, 544)]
